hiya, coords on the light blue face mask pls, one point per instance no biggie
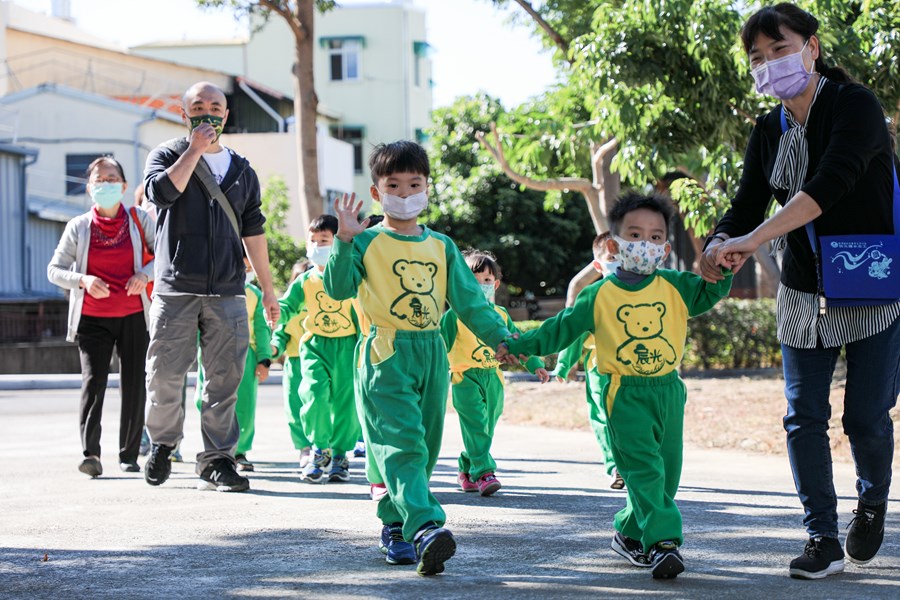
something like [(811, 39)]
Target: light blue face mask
[(106, 195), (488, 290), (318, 255)]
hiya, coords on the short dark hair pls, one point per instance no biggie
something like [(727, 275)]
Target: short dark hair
[(108, 160), (479, 261), (599, 245), (768, 21), (324, 223), (398, 157), (632, 201)]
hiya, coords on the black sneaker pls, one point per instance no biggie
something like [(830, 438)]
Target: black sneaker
[(866, 532), (158, 467), (434, 546), (631, 549), (91, 467), (397, 550), (130, 466), (242, 463), (665, 560), (821, 557), (220, 475)]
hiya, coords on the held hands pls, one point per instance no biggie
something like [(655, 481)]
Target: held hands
[(272, 308), (136, 284), (347, 210), (543, 375), (96, 287), (734, 252), (262, 372)]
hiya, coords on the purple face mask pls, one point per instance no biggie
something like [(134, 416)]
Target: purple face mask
[(783, 78)]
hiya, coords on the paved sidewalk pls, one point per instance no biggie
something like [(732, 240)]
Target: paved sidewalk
[(546, 534)]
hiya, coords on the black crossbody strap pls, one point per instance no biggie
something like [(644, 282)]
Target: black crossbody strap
[(179, 146)]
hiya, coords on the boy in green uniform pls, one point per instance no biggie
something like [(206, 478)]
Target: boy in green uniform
[(404, 273), (327, 412), (593, 380), (638, 318), (478, 382), (287, 335)]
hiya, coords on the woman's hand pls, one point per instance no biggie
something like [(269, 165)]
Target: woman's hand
[(733, 253), (95, 286), (709, 267), (347, 210), (136, 284)]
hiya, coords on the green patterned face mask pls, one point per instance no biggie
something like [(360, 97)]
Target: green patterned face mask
[(216, 122)]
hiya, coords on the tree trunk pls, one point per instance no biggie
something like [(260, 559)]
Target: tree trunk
[(306, 105)]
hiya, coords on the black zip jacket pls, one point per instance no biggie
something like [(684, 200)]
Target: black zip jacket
[(849, 176), (197, 250)]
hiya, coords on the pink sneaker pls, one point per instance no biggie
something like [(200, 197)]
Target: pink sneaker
[(488, 484), (377, 491), (466, 484)]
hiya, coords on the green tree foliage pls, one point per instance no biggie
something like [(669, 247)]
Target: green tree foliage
[(539, 247), (283, 250), (670, 81)]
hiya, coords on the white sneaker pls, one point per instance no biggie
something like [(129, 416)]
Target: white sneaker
[(304, 456)]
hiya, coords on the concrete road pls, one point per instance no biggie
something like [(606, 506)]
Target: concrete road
[(546, 534)]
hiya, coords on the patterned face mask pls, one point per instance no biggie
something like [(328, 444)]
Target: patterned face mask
[(642, 257), (488, 290), (218, 123)]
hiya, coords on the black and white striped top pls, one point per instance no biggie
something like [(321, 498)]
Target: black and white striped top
[(801, 326)]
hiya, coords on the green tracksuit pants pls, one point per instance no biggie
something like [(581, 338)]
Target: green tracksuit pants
[(478, 400), (373, 475), (593, 386), (327, 411), (645, 417), (404, 380), (290, 384), (245, 407)]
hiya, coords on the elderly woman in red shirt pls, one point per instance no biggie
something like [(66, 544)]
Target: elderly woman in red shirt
[(100, 260)]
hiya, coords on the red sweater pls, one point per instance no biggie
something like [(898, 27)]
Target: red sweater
[(111, 258)]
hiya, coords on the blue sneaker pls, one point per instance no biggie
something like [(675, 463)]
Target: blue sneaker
[(398, 550), (359, 451), (340, 469), (434, 546), (314, 472)]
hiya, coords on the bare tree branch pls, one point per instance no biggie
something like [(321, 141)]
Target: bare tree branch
[(297, 28), (554, 35), (578, 184)]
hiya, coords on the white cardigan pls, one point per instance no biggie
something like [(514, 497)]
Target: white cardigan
[(69, 262)]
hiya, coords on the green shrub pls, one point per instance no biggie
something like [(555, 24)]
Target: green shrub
[(735, 334)]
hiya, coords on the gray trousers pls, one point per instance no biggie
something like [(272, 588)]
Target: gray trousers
[(224, 337)]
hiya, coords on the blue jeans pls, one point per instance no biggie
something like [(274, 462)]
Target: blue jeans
[(873, 383)]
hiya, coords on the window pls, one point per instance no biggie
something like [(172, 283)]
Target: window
[(76, 168), (421, 51), (343, 59), (352, 135)]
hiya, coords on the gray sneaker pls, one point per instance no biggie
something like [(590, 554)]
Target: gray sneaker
[(340, 469), (91, 466)]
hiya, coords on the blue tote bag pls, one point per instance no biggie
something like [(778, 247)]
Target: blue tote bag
[(858, 269)]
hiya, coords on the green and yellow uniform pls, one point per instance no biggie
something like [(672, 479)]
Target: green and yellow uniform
[(327, 412), (639, 333), (593, 384), (260, 350), (287, 336), (477, 390), (403, 283)]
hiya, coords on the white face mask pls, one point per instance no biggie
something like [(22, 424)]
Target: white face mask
[(642, 257), (609, 267), (318, 255), (249, 277), (488, 290), (403, 209)]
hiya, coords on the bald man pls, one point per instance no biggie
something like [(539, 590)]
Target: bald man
[(200, 287)]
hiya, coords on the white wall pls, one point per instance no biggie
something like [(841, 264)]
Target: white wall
[(59, 124), (276, 154)]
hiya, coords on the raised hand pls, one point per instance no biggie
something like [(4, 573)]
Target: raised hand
[(347, 209)]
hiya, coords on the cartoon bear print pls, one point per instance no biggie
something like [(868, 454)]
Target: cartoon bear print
[(329, 318), (416, 305), (484, 356), (646, 350)]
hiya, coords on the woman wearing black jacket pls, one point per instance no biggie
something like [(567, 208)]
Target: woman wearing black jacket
[(833, 167)]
